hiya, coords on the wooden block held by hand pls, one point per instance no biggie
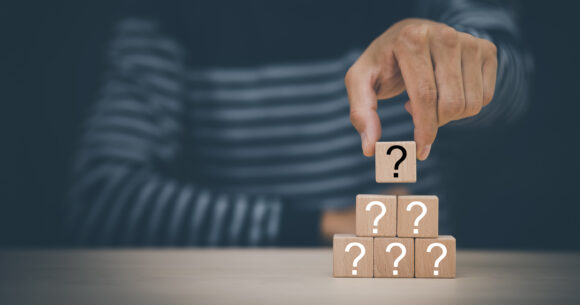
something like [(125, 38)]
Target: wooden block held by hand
[(435, 257), (417, 216), (352, 256), (376, 215), (396, 162), (394, 257)]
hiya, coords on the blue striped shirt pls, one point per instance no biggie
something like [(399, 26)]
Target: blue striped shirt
[(181, 154)]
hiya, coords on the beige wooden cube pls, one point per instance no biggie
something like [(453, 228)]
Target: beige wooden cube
[(396, 162), (435, 257), (376, 215), (394, 257), (352, 256), (417, 216)]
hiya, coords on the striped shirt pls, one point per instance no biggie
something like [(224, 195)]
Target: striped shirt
[(181, 153)]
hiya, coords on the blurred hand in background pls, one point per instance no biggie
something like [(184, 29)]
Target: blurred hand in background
[(344, 221)]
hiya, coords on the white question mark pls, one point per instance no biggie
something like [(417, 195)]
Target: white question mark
[(359, 257), (383, 212), (440, 258), (400, 257), (423, 207)]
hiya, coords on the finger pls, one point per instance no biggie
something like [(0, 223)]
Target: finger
[(471, 64), (408, 107), (489, 71), (446, 53), (363, 107), (412, 53)]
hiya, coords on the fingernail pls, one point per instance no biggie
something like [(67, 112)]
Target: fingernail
[(426, 152), (363, 140)]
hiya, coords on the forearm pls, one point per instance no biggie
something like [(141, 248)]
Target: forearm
[(118, 204), (126, 186)]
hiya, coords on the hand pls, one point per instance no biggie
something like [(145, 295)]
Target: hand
[(337, 222), (448, 75), (333, 222)]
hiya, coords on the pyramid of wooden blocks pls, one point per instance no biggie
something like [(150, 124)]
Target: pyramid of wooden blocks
[(396, 236)]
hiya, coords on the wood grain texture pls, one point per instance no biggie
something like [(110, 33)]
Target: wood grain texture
[(342, 262), (385, 163), (234, 276), (384, 261), (365, 218), (428, 226), (428, 250)]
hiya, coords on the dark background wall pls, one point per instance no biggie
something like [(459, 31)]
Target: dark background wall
[(514, 187)]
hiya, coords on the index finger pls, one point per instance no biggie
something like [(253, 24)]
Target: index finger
[(414, 58), (363, 106)]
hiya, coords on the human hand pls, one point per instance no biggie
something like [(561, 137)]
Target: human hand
[(336, 222), (448, 75)]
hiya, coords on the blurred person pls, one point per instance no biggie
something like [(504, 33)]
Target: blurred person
[(228, 123)]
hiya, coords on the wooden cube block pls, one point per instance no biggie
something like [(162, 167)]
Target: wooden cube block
[(435, 257), (352, 256), (394, 257), (396, 162), (417, 216), (376, 215)]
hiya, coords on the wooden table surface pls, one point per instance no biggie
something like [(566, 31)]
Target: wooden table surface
[(274, 276)]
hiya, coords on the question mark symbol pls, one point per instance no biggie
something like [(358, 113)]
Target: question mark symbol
[(359, 257), (423, 212), (440, 258), (400, 257), (403, 156), (383, 212)]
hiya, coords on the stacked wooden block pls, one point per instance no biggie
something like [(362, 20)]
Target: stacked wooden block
[(396, 236)]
